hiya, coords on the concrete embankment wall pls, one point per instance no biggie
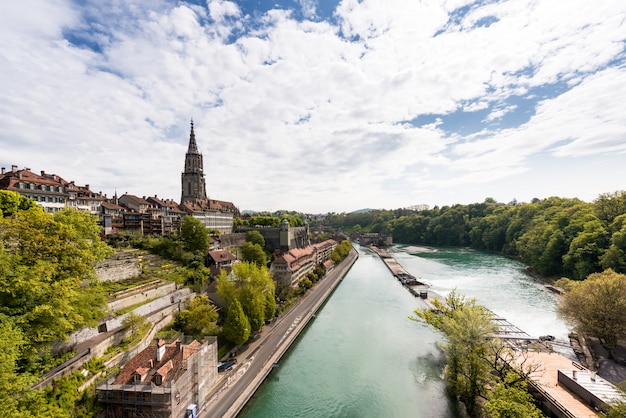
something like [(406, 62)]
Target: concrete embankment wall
[(289, 340)]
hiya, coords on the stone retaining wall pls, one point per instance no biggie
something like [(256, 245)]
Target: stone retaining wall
[(131, 300), (111, 270), (145, 310)]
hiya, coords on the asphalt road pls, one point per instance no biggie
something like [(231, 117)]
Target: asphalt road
[(238, 385)]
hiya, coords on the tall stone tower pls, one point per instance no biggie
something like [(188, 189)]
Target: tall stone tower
[(193, 182)]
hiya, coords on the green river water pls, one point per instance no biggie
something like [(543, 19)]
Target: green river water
[(362, 357)]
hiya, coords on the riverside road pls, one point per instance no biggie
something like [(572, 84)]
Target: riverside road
[(237, 386)]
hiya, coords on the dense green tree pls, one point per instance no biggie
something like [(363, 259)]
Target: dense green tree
[(586, 250), (47, 278), (617, 409), (253, 287), (608, 206), (468, 329), (341, 251), (255, 237), (615, 256), (134, 322), (597, 307), (253, 253), (13, 202), (253, 304), (555, 236), (264, 221), (236, 328), (510, 399), (199, 318), (12, 385), (270, 305), (194, 235)]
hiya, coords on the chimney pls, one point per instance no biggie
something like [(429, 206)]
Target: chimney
[(87, 186), (4, 170), (43, 173), (178, 344), (160, 349), (14, 168)]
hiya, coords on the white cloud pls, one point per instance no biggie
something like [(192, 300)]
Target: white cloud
[(307, 115)]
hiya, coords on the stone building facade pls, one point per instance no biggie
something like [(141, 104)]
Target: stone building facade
[(214, 214)]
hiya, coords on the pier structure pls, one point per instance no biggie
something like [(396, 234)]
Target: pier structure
[(411, 283)]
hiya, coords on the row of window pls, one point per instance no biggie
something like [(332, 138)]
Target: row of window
[(49, 199), (40, 187)]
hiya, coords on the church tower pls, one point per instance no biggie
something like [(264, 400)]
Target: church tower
[(193, 182)]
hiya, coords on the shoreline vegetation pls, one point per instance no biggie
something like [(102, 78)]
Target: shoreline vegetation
[(51, 290)]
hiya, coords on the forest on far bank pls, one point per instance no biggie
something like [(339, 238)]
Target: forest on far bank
[(556, 237)]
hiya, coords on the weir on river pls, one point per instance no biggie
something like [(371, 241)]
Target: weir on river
[(361, 355), (562, 387), (506, 330)]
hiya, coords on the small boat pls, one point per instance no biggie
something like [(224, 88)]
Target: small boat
[(275, 365)]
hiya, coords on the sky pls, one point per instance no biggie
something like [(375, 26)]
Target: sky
[(319, 106)]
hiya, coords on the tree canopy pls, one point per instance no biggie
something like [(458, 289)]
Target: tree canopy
[(199, 319), (13, 202), (253, 287), (597, 307), (467, 328), (476, 360), (555, 236), (236, 328), (47, 274), (194, 235), (253, 253), (48, 288)]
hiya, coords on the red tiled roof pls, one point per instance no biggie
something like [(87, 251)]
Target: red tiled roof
[(295, 257), (221, 255), (136, 199), (207, 205), (109, 205), (10, 179), (173, 358)]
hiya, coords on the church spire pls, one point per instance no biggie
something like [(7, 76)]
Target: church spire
[(193, 147), (193, 183)]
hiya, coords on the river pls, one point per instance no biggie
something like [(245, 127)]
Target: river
[(362, 357)]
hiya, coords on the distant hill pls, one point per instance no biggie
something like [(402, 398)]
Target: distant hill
[(362, 211)]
